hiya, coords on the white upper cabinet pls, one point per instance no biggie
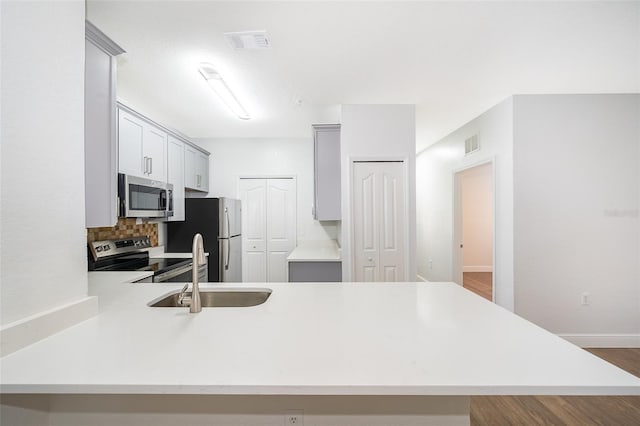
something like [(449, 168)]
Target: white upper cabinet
[(100, 145), (327, 184), (154, 151), (196, 169), (202, 168), (130, 134), (175, 176), (190, 155), (142, 147)]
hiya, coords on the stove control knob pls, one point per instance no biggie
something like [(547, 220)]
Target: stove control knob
[(106, 247), (99, 249)]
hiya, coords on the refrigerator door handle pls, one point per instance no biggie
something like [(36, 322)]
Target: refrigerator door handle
[(226, 214), (226, 261)]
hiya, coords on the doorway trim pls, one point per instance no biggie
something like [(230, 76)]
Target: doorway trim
[(456, 253), (405, 174)]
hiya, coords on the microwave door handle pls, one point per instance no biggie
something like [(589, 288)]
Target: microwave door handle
[(163, 200)]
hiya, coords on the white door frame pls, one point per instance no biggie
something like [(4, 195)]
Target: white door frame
[(405, 174), (456, 255)]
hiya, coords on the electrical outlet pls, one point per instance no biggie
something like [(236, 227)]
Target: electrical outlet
[(294, 418), (585, 299)]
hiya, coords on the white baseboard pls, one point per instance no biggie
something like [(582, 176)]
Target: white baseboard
[(488, 268), (421, 278), (603, 340), (24, 332)]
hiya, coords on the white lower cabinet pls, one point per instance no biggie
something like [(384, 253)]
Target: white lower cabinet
[(175, 176), (315, 272)]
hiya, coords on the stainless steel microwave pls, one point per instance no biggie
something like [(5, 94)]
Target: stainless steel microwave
[(139, 197)]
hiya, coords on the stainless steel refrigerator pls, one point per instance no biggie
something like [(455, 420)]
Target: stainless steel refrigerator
[(219, 221)]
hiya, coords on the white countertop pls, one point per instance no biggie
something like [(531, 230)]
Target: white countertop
[(316, 339), (158, 252), (117, 277), (316, 251)]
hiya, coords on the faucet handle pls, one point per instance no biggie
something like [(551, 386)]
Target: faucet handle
[(183, 295)]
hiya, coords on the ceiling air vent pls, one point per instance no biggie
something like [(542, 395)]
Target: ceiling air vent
[(471, 145), (248, 40)]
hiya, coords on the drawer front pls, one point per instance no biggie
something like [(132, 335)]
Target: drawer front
[(310, 272)]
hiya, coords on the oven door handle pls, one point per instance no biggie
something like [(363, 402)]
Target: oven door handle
[(172, 273)]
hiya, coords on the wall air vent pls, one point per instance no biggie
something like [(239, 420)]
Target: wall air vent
[(248, 40), (471, 145)]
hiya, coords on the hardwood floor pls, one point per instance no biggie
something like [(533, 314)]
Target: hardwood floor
[(564, 410), (479, 282)]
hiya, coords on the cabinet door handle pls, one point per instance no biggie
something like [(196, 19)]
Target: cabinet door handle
[(146, 165), (150, 165)]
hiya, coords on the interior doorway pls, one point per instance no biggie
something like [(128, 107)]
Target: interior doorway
[(268, 227), (474, 229)]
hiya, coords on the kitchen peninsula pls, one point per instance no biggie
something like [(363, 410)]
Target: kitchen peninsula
[(335, 353)]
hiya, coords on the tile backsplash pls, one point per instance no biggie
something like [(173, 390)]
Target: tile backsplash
[(126, 227)]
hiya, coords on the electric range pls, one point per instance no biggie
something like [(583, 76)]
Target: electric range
[(131, 254)]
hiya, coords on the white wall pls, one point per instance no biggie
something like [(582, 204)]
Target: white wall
[(377, 132), (434, 188), (43, 237), (577, 179), (477, 218), (232, 158)]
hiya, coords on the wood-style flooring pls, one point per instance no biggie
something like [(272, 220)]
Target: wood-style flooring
[(564, 410), (478, 282)]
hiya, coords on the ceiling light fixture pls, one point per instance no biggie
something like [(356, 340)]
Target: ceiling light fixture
[(215, 81)]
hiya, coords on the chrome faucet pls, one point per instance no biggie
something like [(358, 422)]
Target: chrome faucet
[(198, 258), (197, 254)]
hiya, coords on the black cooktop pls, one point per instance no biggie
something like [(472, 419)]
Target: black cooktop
[(127, 255), (137, 262)]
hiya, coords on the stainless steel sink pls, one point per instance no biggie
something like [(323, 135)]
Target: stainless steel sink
[(217, 298)]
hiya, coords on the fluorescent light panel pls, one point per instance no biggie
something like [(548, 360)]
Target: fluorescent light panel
[(215, 81)]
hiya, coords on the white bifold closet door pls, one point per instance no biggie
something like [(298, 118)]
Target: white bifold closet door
[(268, 227), (379, 221)]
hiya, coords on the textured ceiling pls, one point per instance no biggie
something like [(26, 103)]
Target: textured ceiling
[(454, 60)]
